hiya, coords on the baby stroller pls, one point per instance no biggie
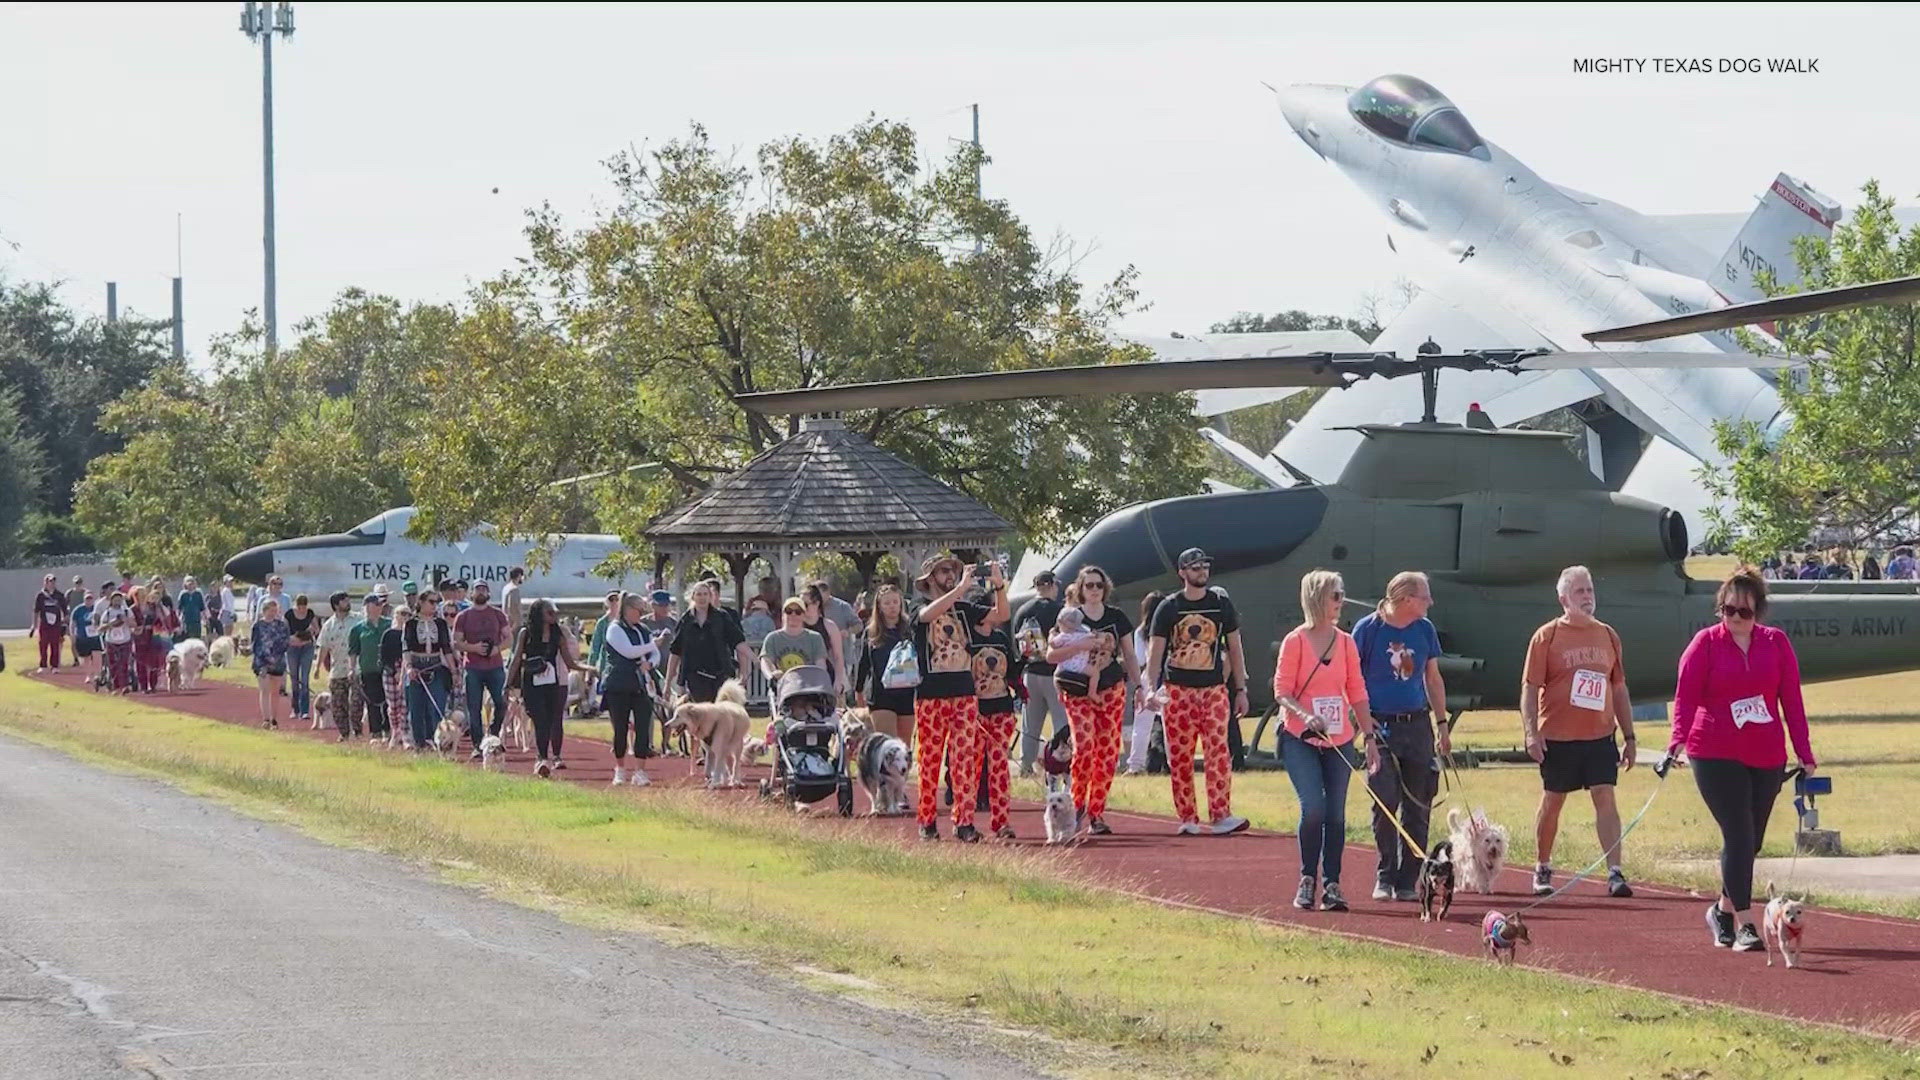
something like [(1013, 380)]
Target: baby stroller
[(811, 761)]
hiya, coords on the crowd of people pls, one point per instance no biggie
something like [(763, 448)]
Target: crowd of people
[(1838, 564), (960, 676)]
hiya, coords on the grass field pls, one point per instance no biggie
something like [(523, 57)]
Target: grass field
[(1007, 942)]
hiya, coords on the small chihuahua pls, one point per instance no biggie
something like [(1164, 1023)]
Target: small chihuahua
[(1783, 925), (1503, 935)]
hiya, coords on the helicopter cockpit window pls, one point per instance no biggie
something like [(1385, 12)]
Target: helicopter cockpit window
[(1408, 110)]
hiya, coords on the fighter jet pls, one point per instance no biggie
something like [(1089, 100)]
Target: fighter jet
[(1505, 259), (378, 550)]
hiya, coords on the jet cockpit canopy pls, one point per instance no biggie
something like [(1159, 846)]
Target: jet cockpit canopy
[(1410, 111)]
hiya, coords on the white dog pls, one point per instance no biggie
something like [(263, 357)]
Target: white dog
[(446, 737), (721, 725), (1059, 812), (1479, 849), (884, 761), (519, 726), (1783, 925), (185, 661), (221, 652), (492, 752)]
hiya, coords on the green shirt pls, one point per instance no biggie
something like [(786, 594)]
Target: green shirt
[(597, 647), (363, 641)]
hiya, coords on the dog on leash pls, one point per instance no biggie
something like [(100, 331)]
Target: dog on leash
[(221, 653), (322, 706), (1783, 925), (446, 737), (493, 750), (1503, 935), (1059, 812), (884, 761), (185, 663), (1436, 883), (519, 726), (721, 725), (1479, 849)]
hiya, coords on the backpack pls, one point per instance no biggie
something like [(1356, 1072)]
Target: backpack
[(903, 667)]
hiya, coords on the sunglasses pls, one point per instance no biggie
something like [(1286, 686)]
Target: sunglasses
[(1736, 611), (1094, 585)]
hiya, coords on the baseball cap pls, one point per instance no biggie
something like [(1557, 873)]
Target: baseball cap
[(410, 587), (660, 596), (1045, 577), (1194, 557), (374, 598)]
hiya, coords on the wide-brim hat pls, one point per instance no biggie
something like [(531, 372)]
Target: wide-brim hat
[(932, 565)]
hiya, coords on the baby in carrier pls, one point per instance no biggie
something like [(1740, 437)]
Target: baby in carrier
[(1071, 629)]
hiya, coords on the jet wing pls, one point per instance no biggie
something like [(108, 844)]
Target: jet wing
[(1235, 346), (1322, 453)]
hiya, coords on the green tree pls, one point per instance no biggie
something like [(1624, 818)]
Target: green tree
[(21, 467), (1247, 322), (821, 263), (1850, 460)]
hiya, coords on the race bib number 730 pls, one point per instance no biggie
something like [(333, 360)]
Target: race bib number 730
[(1589, 689)]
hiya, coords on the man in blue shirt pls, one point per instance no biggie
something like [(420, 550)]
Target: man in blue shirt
[(1400, 661)]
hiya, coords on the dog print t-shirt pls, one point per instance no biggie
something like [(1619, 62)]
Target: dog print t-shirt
[(1112, 632), (1196, 633), (1578, 670), (1394, 663), (993, 670), (946, 663)]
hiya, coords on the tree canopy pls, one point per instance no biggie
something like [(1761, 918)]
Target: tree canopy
[(625, 339), (1849, 463)]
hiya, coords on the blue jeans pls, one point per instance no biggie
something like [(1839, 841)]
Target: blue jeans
[(426, 703), (300, 670), (1320, 776), (494, 682)]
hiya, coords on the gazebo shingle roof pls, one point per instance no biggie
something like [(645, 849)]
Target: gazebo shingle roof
[(827, 483)]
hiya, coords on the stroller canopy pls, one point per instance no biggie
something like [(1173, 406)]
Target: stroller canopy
[(802, 681)]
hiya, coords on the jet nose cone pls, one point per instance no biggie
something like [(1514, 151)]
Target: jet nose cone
[(253, 565), (1293, 108), (1305, 107)]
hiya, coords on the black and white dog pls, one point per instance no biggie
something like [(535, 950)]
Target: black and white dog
[(884, 761)]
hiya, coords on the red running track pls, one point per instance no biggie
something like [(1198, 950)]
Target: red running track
[(1858, 971)]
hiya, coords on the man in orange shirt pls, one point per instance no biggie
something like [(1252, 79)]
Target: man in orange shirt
[(1573, 694)]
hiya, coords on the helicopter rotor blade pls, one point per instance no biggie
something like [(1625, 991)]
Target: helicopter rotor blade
[(1089, 380), (1561, 361), (1904, 290)]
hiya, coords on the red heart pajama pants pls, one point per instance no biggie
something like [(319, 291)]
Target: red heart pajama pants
[(1199, 714), (943, 726), (1096, 744)]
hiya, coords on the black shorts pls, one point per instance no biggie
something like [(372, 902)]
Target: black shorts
[(1576, 764)]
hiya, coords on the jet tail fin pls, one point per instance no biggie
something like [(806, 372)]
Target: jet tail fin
[(1790, 208)]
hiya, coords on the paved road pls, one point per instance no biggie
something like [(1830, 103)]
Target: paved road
[(144, 932)]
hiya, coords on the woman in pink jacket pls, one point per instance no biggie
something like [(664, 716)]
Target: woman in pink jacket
[(1324, 699), (1739, 685)]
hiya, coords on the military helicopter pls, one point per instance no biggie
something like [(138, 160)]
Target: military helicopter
[(1491, 514)]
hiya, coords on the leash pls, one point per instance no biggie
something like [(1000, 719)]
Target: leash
[(1418, 847), (1659, 770)]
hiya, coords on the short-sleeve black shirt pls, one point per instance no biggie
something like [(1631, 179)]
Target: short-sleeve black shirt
[(1196, 633), (1113, 630), (707, 649), (994, 666), (946, 664)]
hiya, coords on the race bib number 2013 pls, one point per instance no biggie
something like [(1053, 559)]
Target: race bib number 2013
[(1589, 689), (1751, 710)]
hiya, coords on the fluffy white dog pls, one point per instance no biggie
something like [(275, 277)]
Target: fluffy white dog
[(1059, 812), (493, 751), (1479, 848), (185, 662), (220, 654), (721, 724)]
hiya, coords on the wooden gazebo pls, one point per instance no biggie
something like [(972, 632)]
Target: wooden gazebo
[(825, 489)]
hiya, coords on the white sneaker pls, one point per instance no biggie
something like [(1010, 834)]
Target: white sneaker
[(638, 779), (541, 768), (1188, 828), (619, 776), (1229, 825)]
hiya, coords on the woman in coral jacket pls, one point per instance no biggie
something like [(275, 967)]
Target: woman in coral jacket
[(1739, 685)]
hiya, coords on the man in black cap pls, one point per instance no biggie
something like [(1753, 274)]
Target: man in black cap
[(1032, 626), (1196, 655)]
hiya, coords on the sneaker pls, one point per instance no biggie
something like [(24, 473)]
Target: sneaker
[(1303, 897), (1542, 880), (1405, 896), (1720, 925), (638, 779), (1747, 940), (558, 764), (1098, 827), (476, 756), (1229, 825), (967, 834), (1617, 884), (1331, 898), (929, 832), (1188, 828), (1135, 770), (619, 776), (541, 768), (1004, 832), (1382, 890)]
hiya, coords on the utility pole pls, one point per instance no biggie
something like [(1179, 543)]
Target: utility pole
[(976, 166), (179, 326), (260, 21), (113, 302)]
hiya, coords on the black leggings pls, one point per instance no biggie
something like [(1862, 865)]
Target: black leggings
[(374, 692), (1740, 798), (631, 707), (544, 705)]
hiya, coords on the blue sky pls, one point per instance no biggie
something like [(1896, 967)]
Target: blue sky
[(1141, 133)]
